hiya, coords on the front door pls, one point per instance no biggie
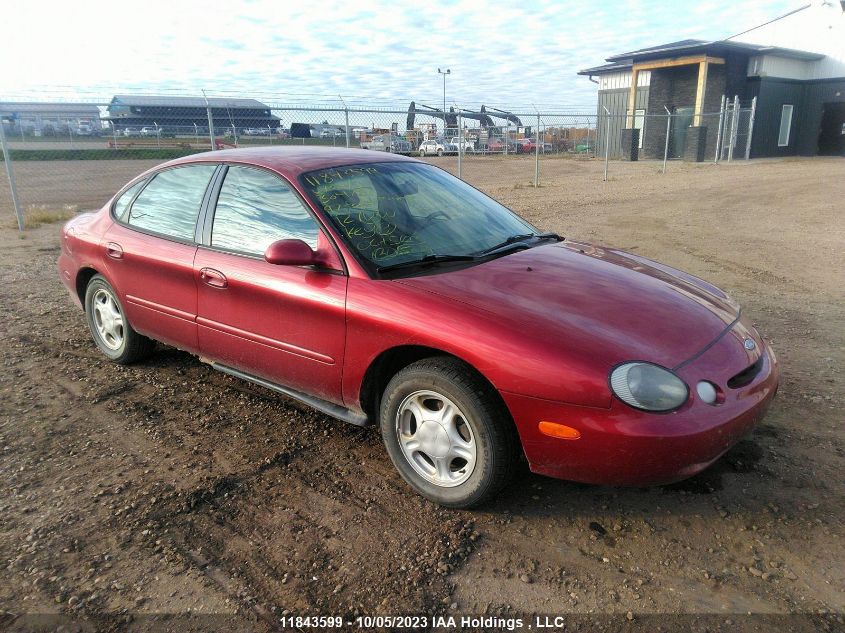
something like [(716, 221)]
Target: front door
[(150, 254), (681, 120), (832, 131), (286, 324)]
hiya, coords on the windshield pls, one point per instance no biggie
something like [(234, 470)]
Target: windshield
[(397, 212)]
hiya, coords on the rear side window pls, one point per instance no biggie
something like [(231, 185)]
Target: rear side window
[(170, 204), (255, 209), (121, 207)]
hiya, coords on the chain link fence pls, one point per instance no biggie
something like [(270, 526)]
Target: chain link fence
[(73, 155)]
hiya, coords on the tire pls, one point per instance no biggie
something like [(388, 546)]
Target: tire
[(461, 467), (440, 152), (422, 153), (117, 341)]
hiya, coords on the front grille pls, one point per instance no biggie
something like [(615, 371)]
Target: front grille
[(746, 375)]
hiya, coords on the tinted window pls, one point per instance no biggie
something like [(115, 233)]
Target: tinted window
[(122, 204), (255, 209), (171, 202)]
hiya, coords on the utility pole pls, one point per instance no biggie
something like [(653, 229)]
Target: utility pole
[(444, 73)]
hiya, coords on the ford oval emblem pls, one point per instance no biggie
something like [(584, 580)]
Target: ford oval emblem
[(749, 344)]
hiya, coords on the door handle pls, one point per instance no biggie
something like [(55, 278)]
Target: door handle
[(213, 278), (114, 250)]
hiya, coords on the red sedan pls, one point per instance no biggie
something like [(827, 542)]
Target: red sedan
[(382, 290)]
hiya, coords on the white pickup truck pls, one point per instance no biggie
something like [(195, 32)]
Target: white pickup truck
[(464, 144)]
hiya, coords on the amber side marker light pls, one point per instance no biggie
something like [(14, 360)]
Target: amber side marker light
[(560, 431)]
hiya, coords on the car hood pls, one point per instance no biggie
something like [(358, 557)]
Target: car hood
[(583, 299)]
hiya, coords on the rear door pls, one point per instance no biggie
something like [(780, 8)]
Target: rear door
[(150, 253), (285, 324)]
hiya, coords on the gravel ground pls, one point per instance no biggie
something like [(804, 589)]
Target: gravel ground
[(168, 488)]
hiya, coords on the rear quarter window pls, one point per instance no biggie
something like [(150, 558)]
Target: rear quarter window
[(121, 207)]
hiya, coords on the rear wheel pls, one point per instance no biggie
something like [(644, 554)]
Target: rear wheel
[(447, 433), (109, 327)]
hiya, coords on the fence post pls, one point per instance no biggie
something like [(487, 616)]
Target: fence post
[(537, 154), (750, 128), (346, 116), (346, 119), (719, 138), (666, 144), (606, 141), (10, 172), (210, 121), (460, 143), (734, 128)]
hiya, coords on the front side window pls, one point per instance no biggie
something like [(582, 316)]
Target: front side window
[(785, 125), (392, 213), (255, 209), (170, 204)]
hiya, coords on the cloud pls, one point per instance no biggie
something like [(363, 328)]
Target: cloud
[(384, 53)]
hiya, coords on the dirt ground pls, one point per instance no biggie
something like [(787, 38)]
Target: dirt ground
[(169, 488)]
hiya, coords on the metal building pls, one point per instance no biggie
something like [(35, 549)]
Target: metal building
[(176, 114), (47, 119)]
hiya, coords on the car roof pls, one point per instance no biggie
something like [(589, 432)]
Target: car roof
[(292, 161)]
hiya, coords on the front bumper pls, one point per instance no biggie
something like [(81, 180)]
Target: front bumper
[(624, 446)]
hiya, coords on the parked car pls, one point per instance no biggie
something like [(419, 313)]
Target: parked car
[(85, 128), (150, 131), (496, 144), (256, 131), (464, 144), (382, 290), (439, 148), (526, 145), (387, 143), (331, 132), (282, 132), (131, 131)]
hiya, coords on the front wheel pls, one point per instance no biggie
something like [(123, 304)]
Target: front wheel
[(447, 433), (109, 328), (440, 152), (422, 153)]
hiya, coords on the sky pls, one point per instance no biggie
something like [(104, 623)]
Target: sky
[(515, 55)]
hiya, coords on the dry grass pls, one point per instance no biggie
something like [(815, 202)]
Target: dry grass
[(35, 216)]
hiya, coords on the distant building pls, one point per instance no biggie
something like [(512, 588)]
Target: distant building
[(793, 65), (46, 119), (182, 114)]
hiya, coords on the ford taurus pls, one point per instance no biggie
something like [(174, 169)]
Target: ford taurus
[(382, 290)]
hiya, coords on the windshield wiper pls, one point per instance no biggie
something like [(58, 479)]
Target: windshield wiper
[(428, 260), (519, 239)]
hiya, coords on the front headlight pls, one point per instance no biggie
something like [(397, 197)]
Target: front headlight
[(648, 387)]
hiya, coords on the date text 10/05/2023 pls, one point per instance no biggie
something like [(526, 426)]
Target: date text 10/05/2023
[(439, 622)]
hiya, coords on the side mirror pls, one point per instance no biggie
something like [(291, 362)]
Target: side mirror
[(290, 253)]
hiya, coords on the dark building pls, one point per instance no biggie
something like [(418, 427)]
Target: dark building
[(798, 91), (181, 114)]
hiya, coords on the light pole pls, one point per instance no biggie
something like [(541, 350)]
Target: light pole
[(444, 73)]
